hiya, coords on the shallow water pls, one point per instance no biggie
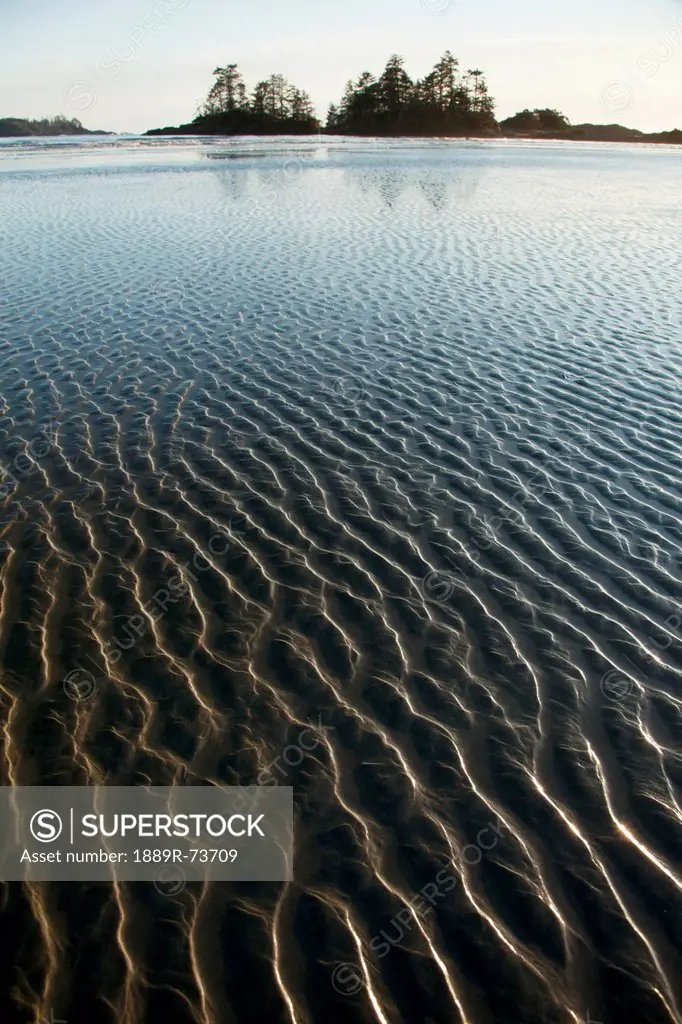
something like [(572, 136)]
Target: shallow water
[(405, 419)]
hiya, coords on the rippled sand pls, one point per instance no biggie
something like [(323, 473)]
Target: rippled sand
[(353, 467)]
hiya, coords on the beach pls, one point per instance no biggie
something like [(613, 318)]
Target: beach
[(350, 465)]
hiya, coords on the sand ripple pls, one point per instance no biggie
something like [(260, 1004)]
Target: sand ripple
[(357, 470)]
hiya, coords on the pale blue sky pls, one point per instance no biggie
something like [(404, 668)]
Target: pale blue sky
[(138, 64)]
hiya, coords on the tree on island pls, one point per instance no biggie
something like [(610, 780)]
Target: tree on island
[(445, 102), (228, 92), (532, 121), (59, 125)]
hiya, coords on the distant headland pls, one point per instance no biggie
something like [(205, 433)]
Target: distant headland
[(19, 127), (550, 124), (448, 102)]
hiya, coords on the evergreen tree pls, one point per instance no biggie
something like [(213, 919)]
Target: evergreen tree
[(260, 98), (300, 104), (395, 89), (278, 103), (228, 92), (446, 76), (333, 118)]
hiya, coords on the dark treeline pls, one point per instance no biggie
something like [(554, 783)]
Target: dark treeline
[(60, 125), (445, 102), (529, 122), (551, 124)]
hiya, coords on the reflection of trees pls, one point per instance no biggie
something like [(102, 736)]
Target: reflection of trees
[(442, 174), (258, 176), (442, 185)]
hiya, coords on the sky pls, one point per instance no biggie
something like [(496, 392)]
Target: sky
[(138, 64)]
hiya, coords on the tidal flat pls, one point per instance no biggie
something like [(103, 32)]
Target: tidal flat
[(352, 466)]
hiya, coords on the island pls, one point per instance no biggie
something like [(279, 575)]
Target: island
[(550, 124), (19, 127)]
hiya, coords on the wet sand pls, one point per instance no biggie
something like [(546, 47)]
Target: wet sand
[(355, 468)]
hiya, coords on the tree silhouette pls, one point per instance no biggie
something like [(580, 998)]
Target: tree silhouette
[(446, 74), (228, 92), (395, 89)]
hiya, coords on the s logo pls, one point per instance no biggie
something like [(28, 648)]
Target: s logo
[(46, 826)]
